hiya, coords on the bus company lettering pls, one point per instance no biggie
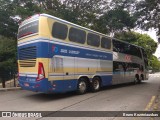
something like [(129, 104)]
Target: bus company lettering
[(54, 49), (64, 51), (74, 52), (69, 51)]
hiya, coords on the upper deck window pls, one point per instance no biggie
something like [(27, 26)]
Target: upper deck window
[(126, 48), (106, 43), (59, 31), (93, 39), (77, 35), (28, 29)]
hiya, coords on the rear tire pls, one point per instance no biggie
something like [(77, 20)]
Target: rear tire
[(140, 80), (136, 79), (82, 86), (95, 85)]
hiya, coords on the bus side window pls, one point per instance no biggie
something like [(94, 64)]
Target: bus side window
[(141, 68), (118, 66), (115, 66), (106, 43), (135, 66), (77, 35), (93, 39), (59, 31)]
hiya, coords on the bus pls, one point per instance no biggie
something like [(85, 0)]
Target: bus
[(57, 56)]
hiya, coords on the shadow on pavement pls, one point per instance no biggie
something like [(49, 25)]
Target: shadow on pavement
[(50, 97)]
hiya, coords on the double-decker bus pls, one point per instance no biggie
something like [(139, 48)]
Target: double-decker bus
[(57, 56)]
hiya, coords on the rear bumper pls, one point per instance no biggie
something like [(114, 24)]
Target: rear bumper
[(45, 86), (32, 85)]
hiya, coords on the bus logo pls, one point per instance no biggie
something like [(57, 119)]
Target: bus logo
[(54, 49), (128, 58)]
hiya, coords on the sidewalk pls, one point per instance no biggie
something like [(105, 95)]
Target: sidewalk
[(9, 86), (9, 89), (156, 104)]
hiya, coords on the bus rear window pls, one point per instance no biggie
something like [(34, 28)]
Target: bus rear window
[(28, 29)]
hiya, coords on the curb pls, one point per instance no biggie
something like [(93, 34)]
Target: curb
[(10, 89)]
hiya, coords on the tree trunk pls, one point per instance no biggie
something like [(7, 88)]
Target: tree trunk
[(3, 83), (14, 77)]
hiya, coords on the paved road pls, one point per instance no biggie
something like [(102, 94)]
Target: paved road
[(128, 97)]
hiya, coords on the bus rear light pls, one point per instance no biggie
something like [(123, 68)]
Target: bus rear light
[(41, 73)]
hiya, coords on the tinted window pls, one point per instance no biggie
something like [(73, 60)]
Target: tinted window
[(28, 29), (126, 48), (135, 65), (144, 53), (106, 43), (93, 39), (77, 35), (118, 66), (118, 46), (59, 30)]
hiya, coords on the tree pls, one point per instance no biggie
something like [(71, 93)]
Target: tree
[(7, 58), (81, 12), (115, 20), (26, 8), (155, 63), (148, 13), (8, 24)]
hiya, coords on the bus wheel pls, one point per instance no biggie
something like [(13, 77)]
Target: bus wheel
[(140, 80), (136, 80), (95, 86), (82, 86)]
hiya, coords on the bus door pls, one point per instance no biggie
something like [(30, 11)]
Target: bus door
[(129, 74), (56, 68), (118, 73)]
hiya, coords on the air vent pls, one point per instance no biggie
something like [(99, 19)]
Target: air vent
[(27, 57)]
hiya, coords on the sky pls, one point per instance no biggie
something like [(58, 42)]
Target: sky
[(152, 34)]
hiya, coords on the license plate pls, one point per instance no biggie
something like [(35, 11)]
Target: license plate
[(26, 84)]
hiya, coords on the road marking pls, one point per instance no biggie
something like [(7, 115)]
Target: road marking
[(147, 108), (150, 103)]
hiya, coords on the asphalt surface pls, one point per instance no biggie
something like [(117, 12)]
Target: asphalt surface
[(126, 97)]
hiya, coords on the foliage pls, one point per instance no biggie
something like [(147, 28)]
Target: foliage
[(8, 25), (25, 8), (155, 63), (148, 13), (81, 12), (7, 56), (115, 20)]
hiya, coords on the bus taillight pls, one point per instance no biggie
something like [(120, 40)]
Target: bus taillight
[(41, 73)]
